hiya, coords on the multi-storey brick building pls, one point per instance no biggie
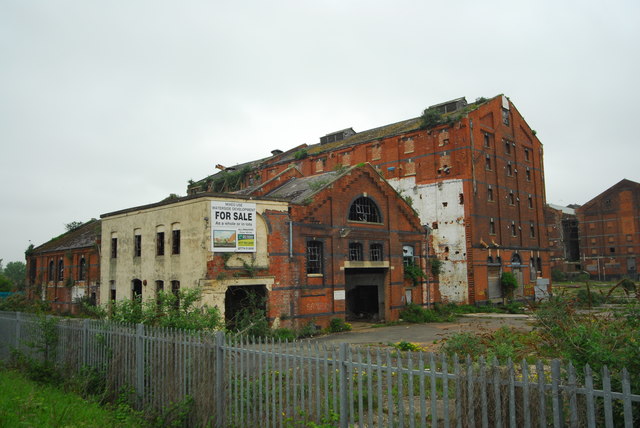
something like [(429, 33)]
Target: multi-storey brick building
[(474, 173), (316, 247), (66, 268), (610, 232)]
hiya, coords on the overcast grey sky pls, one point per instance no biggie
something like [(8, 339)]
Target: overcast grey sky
[(106, 105)]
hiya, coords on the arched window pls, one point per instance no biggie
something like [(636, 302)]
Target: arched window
[(364, 209), (516, 260), (82, 270)]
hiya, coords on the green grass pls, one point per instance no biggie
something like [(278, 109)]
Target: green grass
[(24, 403)]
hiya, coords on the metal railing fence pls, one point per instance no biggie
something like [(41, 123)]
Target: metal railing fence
[(238, 382)]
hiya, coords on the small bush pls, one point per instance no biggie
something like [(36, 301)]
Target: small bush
[(284, 334), (558, 275), (310, 329), (338, 325), (586, 298), (416, 314), (407, 346)]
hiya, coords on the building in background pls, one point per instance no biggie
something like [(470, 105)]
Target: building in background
[(610, 232), (474, 173), (66, 270), (339, 244)]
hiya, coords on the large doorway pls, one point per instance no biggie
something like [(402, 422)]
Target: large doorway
[(245, 304), (365, 294)]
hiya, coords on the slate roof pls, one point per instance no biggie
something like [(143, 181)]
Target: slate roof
[(80, 237), (297, 190)]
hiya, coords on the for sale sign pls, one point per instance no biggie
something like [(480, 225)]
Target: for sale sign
[(233, 227)]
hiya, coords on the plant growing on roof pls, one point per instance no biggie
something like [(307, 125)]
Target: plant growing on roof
[(431, 117), (300, 154)]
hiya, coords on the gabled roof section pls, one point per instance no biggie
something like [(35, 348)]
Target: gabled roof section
[(623, 184), (81, 237)]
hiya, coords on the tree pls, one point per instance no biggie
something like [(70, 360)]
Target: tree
[(5, 283), (16, 272), (509, 284), (73, 225)]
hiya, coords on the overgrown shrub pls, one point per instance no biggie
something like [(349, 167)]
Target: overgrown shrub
[(407, 346), (416, 314), (177, 310), (589, 298), (558, 275), (413, 272), (21, 303), (509, 284)]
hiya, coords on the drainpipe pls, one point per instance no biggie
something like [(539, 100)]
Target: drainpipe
[(291, 239), (473, 159), (426, 293)]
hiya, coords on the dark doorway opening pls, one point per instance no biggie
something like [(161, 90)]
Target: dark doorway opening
[(365, 294), (136, 289), (362, 302), (244, 304)]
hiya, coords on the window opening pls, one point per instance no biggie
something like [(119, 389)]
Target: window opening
[(530, 201), (507, 147), (137, 245), (407, 255), (364, 209), (175, 242), (60, 270), (487, 162), (526, 154), (314, 257), (175, 290), (355, 251), (82, 269), (160, 244), (492, 227), (505, 116), (490, 193), (528, 171), (52, 271), (114, 248), (375, 252)]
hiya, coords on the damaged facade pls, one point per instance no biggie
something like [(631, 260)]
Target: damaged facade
[(67, 268), (331, 245), (474, 173), (564, 238)]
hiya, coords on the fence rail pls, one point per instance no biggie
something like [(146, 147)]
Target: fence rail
[(238, 382)]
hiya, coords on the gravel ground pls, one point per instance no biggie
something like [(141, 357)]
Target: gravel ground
[(427, 335)]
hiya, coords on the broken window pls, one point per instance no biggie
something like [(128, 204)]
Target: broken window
[(355, 251), (364, 209), (175, 241), (137, 245), (505, 116), (507, 147), (114, 248), (513, 229), (160, 244), (60, 270), (492, 227), (530, 201), (512, 199), (532, 230), (612, 250), (82, 269), (407, 255), (112, 289), (509, 169), (526, 154), (461, 198), (487, 140), (489, 193), (375, 252), (487, 162), (528, 171), (314, 257)]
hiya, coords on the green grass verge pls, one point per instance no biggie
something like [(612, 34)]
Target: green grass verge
[(24, 403)]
